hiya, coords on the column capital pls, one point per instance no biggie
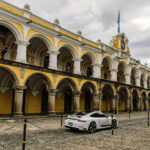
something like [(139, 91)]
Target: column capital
[(53, 52), (20, 88), (77, 93), (52, 91), (114, 70), (77, 59), (20, 42), (96, 65)]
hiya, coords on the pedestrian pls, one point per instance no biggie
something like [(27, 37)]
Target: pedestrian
[(4, 51)]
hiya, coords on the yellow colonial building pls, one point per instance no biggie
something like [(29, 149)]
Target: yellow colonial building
[(45, 69)]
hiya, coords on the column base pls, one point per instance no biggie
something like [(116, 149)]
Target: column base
[(21, 61), (51, 113)]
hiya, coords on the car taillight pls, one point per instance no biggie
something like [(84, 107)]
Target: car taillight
[(82, 121)]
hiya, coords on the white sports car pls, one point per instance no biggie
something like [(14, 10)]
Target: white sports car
[(90, 121)]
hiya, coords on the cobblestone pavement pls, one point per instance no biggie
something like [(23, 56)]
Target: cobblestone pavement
[(45, 133)]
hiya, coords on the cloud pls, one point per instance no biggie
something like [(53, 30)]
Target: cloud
[(97, 19)]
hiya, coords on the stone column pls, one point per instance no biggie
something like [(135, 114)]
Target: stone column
[(116, 105), (100, 99), (53, 60), (137, 81), (139, 104), (114, 74), (131, 103), (18, 101), (113, 104), (95, 101), (76, 102), (146, 106), (77, 69), (127, 105), (51, 101), (96, 70), (127, 79), (21, 51), (145, 83)]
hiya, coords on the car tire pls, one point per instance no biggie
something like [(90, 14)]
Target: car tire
[(114, 123), (92, 127)]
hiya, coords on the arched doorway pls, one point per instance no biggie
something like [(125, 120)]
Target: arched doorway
[(7, 93), (123, 98), (135, 100), (86, 99), (68, 101), (65, 96), (36, 98), (107, 99)]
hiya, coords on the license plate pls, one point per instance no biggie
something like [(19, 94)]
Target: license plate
[(70, 124)]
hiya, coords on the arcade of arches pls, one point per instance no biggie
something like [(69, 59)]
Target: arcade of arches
[(38, 96)]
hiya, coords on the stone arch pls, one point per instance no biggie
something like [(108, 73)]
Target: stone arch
[(123, 104), (12, 28), (121, 72), (35, 100), (88, 60), (8, 83), (70, 49), (134, 75), (45, 39), (107, 103), (92, 57), (12, 73), (143, 77), (109, 59), (88, 90), (65, 95), (49, 83), (106, 67)]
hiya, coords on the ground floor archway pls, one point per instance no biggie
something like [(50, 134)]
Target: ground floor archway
[(35, 99), (8, 84), (135, 100), (107, 98), (123, 99), (65, 96)]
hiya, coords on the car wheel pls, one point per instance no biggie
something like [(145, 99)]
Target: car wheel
[(114, 123), (92, 127)]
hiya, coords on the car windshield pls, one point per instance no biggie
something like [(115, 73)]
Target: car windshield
[(81, 113)]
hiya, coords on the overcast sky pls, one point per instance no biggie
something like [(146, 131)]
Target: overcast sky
[(97, 19)]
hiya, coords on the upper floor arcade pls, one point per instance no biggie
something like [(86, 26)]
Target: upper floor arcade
[(28, 39)]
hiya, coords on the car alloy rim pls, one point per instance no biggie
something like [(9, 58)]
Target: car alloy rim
[(92, 127)]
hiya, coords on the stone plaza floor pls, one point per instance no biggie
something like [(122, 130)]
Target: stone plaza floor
[(46, 133)]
